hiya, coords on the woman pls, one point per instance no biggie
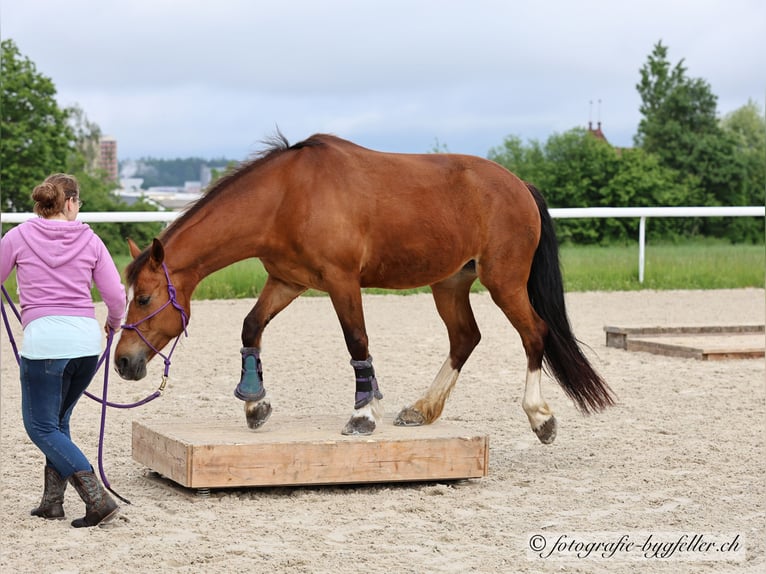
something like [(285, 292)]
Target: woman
[(57, 259)]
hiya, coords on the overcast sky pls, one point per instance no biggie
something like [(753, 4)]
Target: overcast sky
[(179, 78)]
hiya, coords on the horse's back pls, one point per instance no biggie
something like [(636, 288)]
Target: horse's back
[(443, 182), (402, 220)]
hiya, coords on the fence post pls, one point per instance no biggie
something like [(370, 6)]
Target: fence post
[(641, 247)]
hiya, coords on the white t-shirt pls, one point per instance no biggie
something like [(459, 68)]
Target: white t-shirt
[(61, 337)]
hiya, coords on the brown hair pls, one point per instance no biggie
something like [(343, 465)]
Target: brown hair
[(52, 193)]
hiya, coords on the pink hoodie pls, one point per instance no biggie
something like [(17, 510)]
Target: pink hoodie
[(56, 264)]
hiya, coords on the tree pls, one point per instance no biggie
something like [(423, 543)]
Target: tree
[(572, 169), (580, 167), (38, 138), (642, 181), (684, 156), (87, 136), (526, 161), (679, 124), (674, 108), (748, 124), (746, 127), (217, 173), (35, 138), (439, 147)]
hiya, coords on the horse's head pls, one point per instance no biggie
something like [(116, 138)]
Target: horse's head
[(157, 311)]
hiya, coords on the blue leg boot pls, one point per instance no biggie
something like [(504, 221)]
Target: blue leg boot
[(251, 390), (250, 387)]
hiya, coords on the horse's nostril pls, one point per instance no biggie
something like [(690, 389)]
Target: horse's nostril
[(131, 368), (123, 363)]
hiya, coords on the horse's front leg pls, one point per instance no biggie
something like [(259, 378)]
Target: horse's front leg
[(276, 295), (368, 411)]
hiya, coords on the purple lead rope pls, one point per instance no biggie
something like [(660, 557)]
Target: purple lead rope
[(104, 404), (103, 401)]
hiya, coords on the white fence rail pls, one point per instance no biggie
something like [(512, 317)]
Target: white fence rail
[(644, 212), (557, 213)]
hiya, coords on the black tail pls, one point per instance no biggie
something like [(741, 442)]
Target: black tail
[(562, 357)]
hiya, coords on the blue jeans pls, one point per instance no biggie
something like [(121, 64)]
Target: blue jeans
[(50, 388)]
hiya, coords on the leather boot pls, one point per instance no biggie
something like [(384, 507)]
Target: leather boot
[(99, 506), (51, 506)]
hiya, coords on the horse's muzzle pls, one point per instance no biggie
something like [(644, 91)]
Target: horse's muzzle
[(131, 368)]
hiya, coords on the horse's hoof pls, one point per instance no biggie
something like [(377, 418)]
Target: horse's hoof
[(409, 417), (359, 426), (257, 414), (546, 432)]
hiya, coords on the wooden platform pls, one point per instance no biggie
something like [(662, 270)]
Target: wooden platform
[(304, 451), (705, 343)]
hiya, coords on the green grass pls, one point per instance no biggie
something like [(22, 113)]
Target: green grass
[(700, 264)]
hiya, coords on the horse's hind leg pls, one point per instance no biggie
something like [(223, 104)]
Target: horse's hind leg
[(512, 297), (275, 296), (452, 297)]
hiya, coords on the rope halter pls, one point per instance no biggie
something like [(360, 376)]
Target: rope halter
[(184, 321)]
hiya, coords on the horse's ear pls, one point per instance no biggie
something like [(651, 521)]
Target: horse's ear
[(157, 252), (134, 250)]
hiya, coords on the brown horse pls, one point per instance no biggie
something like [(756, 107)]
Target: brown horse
[(330, 215)]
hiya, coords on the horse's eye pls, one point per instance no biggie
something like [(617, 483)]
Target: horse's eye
[(143, 300)]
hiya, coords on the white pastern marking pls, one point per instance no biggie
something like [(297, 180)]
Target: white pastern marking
[(372, 411), (442, 385), (533, 403)]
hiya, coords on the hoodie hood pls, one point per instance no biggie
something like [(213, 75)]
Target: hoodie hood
[(55, 242)]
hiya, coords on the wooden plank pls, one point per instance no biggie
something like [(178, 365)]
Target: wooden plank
[(717, 342), (616, 338), (661, 348), (167, 454), (306, 450), (724, 354), (687, 329)]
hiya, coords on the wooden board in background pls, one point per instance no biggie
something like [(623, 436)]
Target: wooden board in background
[(699, 342)]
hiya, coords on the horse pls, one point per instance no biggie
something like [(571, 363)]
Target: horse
[(330, 215)]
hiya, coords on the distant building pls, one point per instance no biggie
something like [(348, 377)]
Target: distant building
[(597, 132), (206, 173), (131, 183), (193, 187), (206, 176), (107, 159), (164, 197)]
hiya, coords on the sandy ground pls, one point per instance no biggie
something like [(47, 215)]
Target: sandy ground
[(682, 453)]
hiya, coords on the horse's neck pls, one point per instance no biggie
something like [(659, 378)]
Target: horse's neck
[(209, 241)]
